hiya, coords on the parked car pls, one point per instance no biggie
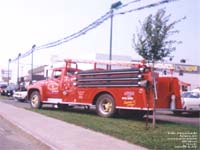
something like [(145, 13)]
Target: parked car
[(11, 88), (191, 101), (2, 88), (20, 95)]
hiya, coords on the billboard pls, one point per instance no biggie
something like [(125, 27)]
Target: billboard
[(187, 68), (5, 74)]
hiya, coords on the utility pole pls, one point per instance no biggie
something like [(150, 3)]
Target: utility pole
[(9, 60), (113, 6), (32, 50), (18, 69)]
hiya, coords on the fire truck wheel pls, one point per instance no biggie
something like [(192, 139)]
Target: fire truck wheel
[(105, 105), (35, 100)]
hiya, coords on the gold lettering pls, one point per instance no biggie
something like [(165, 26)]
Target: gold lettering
[(129, 103)]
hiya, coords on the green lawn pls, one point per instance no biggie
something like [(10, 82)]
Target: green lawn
[(4, 97), (165, 136)]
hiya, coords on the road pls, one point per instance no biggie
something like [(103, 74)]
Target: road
[(160, 115), (185, 118), (12, 138)]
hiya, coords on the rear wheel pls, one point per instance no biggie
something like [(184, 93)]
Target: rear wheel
[(35, 100), (105, 105)]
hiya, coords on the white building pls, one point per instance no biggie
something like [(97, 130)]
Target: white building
[(186, 73)]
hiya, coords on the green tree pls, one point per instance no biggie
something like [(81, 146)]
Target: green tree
[(152, 42)]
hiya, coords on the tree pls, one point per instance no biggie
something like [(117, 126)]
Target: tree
[(153, 43)]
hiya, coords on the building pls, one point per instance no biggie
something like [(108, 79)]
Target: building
[(38, 74), (189, 75)]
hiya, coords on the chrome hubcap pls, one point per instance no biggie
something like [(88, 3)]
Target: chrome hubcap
[(107, 106), (34, 100)]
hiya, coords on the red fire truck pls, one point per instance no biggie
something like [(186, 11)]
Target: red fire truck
[(109, 86)]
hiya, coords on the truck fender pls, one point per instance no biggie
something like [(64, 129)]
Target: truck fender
[(98, 94), (39, 89)]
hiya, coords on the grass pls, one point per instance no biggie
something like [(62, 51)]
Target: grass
[(3, 97), (6, 97), (165, 136)]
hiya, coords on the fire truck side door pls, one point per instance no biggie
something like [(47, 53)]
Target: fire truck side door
[(69, 90), (54, 85)]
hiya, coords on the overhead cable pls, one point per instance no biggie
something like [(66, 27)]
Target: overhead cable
[(144, 7), (91, 26)]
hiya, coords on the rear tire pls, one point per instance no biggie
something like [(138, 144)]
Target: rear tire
[(105, 106), (35, 100)]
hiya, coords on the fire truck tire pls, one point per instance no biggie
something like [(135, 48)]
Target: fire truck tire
[(105, 106), (35, 100)]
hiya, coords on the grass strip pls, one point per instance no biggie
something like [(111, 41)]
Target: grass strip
[(165, 136)]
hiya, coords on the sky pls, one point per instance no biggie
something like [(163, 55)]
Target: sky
[(28, 22)]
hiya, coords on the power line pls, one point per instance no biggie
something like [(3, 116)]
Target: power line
[(91, 26), (77, 34), (144, 7), (125, 5), (83, 31)]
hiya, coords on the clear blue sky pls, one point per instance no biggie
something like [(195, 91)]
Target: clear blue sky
[(28, 22)]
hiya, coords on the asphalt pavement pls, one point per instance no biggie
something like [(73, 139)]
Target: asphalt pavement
[(59, 135)]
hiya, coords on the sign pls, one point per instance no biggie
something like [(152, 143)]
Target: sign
[(187, 68), (4, 74), (164, 66)]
